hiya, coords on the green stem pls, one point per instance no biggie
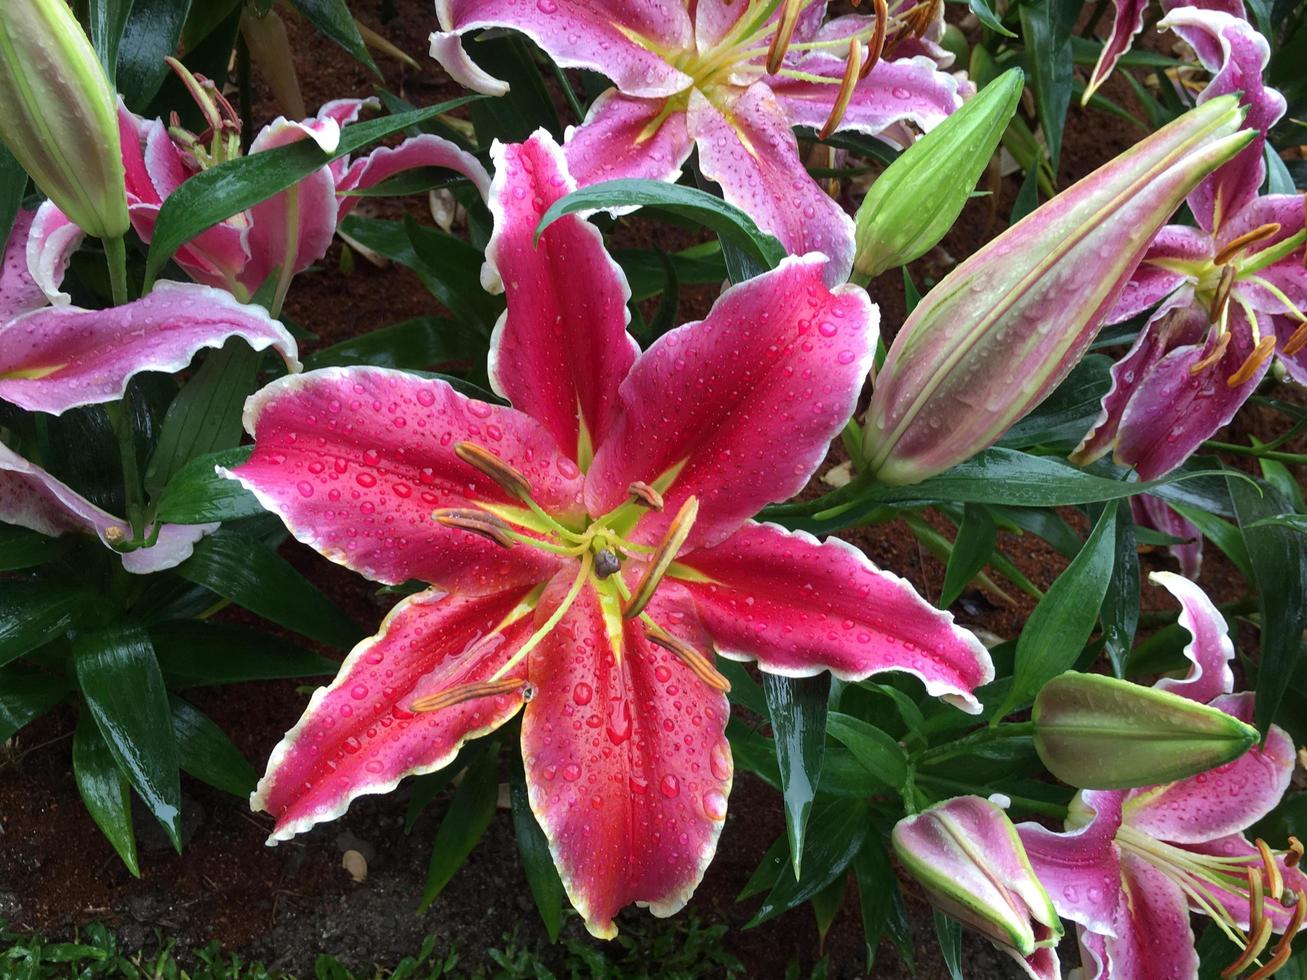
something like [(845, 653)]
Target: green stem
[(246, 96), (961, 746), (573, 102), (1238, 450), (121, 419), (1018, 802), (115, 254)]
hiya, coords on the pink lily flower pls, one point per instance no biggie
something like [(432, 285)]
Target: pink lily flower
[(732, 78), (286, 233), (1228, 292), (1133, 864), (53, 358), (589, 549)]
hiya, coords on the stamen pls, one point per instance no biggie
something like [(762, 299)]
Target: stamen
[(1297, 340), (467, 692), (1217, 353), (877, 45), (1292, 859), (478, 522), (845, 94), (1261, 353), (1284, 948), (532, 641), (1236, 246), (666, 552), (1221, 298), (1257, 941), (780, 41), (642, 493), (699, 665), (484, 461), (1256, 901)]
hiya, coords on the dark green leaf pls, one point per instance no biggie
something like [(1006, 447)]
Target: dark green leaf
[(212, 195), (24, 697), (527, 106), (152, 33), (537, 862), (205, 751), (985, 14), (34, 613), (104, 790), (878, 752), (949, 934), (199, 494), (106, 20), (879, 898), (24, 548), (13, 184), (124, 691), (332, 18), (797, 707), (195, 653), (1225, 535), (466, 820), (694, 266), (1121, 600), (422, 343), (1027, 197), (1279, 567), (1059, 627), (252, 575), (727, 220), (1069, 410), (1046, 30), (971, 550)]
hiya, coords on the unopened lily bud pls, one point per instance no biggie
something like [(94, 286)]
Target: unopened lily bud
[(988, 343), (912, 205), (1096, 732), (58, 115), (967, 856)]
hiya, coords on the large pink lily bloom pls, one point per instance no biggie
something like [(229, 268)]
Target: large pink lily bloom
[(1132, 865), (589, 549), (733, 79), (53, 358), (1229, 293), (286, 233)]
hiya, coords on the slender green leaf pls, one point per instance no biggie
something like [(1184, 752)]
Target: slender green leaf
[(205, 751), (1121, 600), (196, 653), (252, 575), (1059, 628), (1225, 535), (333, 19), (878, 752), (949, 934), (21, 548), (106, 20), (25, 696), (1027, 198), (880, 900), (120, 680), (971, 551), (527, 106), (34, 613), (1046, 30), (151, 34), (1296, 522), (13, 184), (104, 790), (537, 862), (1069, 410), (421, 343), (985, 14), (466, 820), (198, 494), (797, 708)]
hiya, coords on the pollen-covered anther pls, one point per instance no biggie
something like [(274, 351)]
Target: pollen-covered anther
[(1217, 353), (1294, 857), (699, 665), (1274, 880), (780, 42), (663, 556), (467, 692), (477, 522), (113, 534), (1284, 948), (1297, 340), (877, 45), (1260, 355), (1221, 298), (1259, 927), (484, 461), (1237, 245), (643, 493), (845, 94)]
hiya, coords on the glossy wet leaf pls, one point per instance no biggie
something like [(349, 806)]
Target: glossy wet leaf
[(22, 547), (797, 709), (150, 35), (205, 752), (464, 823), (197, 653), (25, 695), (971, 551), (949, 934), (421, 343), (124, 692), (198, 494), (880, 901), (985, 14), (333, 19), (877, 751), (1069, 410), (537, 862), (13, 183), (34, 613), (1121, 600), (1046, 31), (104, 790)]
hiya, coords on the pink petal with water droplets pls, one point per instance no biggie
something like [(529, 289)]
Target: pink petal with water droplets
[(354, 460), (1152, 512), (19, 292), (1289, 274), (1153, 938), (747, 399), (1093, 954), (1174, 410), (624, 137), (1127, 22), (1238, 846), (627, 762), (446, 47), (1236, 55), (746, 145), (51, 240), (1081, 868), (561, 348), (385, 162), (592, 34), (1209, 650), (61, 357), (714, 18), (798, 607), (359, 736), (32, 498), (1176, 323), (1223, 801), (1152, 282)]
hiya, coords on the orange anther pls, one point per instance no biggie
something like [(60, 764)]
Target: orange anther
[(477, 522), (699, 665), (877, 45), (1260, 355), (845, 94), (780, 42), (1274, 880), (1297, 340), (1292, 859), (483, 460), (1217, 353), (1237, 245), (467, 692)]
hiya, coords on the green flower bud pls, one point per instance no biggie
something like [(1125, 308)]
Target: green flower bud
[(914, 203), (1096, 732), (59, 116)]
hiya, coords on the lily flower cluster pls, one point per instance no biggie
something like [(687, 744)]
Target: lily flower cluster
[(1131, 866)]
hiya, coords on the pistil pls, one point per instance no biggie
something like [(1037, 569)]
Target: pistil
[(663, 555)]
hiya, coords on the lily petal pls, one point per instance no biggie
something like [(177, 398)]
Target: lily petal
[(746, 145), (1156, 277), (739, 408), (1127, 22), (627, 764), (620, 41), (798, 606), (1153, 512), (61, 357), (561, 349), (1153, 939), (19, 291), (359, 735), (32, 498), (354, 460), (1081, 869), (1238, 846), (1209, 651), (1225, 800), (626, 137), (426, 150), (1289, 274)]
